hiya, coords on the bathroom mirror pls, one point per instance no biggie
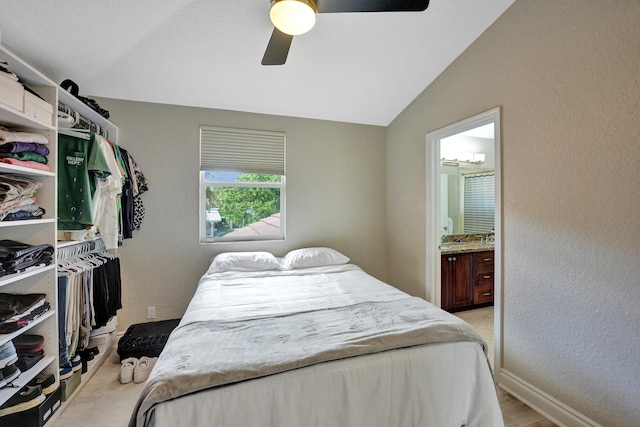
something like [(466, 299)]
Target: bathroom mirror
[(467, 179)]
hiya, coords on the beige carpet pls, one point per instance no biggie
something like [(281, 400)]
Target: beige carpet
[(103, 402)]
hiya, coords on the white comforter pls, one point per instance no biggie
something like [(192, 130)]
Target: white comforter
[(303, 325)]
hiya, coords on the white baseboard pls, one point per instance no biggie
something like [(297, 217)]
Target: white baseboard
[(545, 404)]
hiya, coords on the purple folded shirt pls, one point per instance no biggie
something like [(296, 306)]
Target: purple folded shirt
[(20, 147)]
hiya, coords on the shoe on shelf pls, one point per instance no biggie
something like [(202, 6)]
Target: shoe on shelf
[(27, 398), (127, 369), (76, 363), (2, 381), (8, 354), (10, 373), (27, 361), (87, 355), (94, 350), (65, 373), (28, 343), (46, 381)]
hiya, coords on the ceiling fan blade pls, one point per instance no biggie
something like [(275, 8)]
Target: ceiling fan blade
[(340, 6), (277, 49)]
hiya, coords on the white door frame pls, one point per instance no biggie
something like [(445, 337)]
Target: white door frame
[(433, 290)]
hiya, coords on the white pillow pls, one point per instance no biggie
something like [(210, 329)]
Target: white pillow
[(313, 257), (243, 261)]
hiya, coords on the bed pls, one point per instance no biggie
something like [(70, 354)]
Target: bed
[(312, 340)]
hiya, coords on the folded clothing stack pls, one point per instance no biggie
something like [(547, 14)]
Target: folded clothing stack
[(29, 350), (24, 149), (6, 73), (17, 198), (17, 256), (18, 310)]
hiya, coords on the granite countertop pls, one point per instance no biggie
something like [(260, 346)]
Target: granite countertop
[(463, 247)]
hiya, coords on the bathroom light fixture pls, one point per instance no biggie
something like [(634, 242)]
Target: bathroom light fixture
[(293, 17), (465, 158), (478, 158)]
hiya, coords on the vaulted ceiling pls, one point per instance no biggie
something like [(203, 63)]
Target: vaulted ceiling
[(351, 67)]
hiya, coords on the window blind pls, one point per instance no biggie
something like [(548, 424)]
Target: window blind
[(242, 150), (479, 203)]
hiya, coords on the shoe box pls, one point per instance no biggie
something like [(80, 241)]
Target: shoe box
[(11, 93), (69, 385), (38, 416)]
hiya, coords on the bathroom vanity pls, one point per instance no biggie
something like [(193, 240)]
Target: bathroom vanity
[(467, 275)]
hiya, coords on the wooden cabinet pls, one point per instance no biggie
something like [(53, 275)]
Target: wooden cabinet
[(467, 280), (483, 278), (457, 281)]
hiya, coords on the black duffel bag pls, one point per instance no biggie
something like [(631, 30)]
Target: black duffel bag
[(145, 339)]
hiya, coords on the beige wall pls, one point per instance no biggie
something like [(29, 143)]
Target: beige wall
[(567, 77), (336, 188)]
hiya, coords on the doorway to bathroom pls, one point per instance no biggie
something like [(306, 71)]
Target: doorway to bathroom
[(464, 197)]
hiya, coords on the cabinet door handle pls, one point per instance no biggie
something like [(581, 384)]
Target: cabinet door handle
[(487, 276), (487, 259), (486, 294)]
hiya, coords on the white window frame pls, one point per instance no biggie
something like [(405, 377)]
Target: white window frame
[(236, 148)]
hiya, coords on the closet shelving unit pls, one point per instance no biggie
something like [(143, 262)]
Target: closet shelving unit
[(42, 279), (39, 231)]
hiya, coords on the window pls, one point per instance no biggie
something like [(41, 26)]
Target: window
[(479, 203), (242, 185)]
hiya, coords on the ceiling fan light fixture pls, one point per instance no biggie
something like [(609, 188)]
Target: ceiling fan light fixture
[(293, 17)]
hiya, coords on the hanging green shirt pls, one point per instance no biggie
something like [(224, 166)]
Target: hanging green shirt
[(80, 164)]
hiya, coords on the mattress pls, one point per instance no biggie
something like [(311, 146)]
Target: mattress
[(323, 346)]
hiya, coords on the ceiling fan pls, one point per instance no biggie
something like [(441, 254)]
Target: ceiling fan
[(294, 17)]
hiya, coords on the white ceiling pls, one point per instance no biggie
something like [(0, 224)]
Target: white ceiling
[(352, 67)]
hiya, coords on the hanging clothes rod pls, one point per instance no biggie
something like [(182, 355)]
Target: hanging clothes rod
[(67, 115), (80, 248), (77, 133)]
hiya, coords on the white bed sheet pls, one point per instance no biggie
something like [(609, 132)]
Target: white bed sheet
[(440, 385), (243, 295)]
